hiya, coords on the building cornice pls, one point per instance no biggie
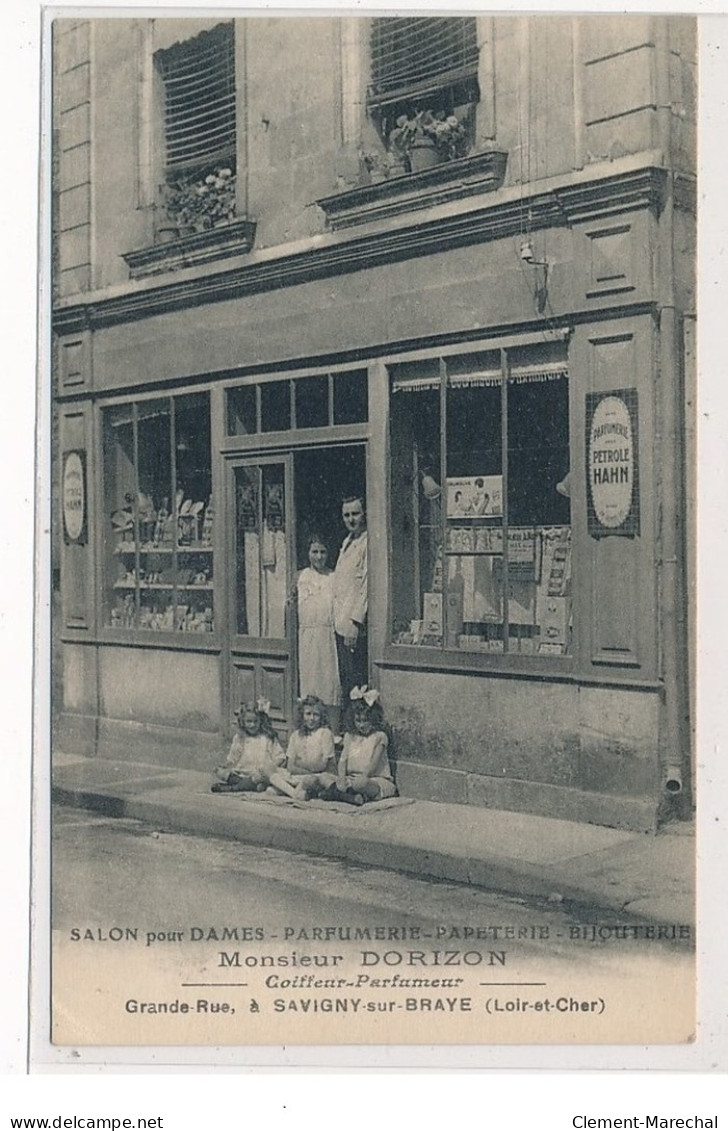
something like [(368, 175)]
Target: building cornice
[(590, 194)]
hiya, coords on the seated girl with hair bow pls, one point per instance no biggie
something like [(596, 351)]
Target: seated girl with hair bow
[(255, 753), (364, 770), (310, 762)]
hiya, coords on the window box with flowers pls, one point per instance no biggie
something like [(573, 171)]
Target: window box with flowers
[(198, 224), (198, 204)]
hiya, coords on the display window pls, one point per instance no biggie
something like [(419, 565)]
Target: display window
[(480, 502), (159, 515)]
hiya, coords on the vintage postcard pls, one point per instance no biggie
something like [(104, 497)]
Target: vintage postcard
[(371, 369)]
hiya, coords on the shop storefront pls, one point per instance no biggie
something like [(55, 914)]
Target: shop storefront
[(509, 482)]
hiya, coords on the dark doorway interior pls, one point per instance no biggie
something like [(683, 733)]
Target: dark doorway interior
[(323, 477)]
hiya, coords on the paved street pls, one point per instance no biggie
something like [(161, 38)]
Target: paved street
[(110, 871)]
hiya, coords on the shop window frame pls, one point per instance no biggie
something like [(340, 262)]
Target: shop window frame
[(440, 657), (261, 437), (135, 636)]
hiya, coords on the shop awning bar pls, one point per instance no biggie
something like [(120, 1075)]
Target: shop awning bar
[(520, 374)]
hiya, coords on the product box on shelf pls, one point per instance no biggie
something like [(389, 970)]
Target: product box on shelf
[(432, 614)]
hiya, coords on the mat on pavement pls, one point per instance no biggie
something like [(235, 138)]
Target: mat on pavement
[(328, 806)]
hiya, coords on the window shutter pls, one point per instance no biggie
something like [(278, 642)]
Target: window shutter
[(418, 55), (199, 93)]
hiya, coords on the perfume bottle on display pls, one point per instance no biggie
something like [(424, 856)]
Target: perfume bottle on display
[(207, 524), (162, 516), (128, 611), (147, 518), (184, 523), (454, 609)]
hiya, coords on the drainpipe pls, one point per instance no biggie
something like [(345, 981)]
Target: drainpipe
[(674, 752), (674, 742)]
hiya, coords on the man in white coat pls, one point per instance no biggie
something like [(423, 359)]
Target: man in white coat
[(351, 598)]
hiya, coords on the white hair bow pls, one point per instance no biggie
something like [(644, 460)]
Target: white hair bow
[(263, 705), (370, 695)]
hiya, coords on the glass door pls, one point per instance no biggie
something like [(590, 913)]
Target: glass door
[(261, 552)]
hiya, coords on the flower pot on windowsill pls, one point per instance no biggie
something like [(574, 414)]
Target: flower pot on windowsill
[(423, 154)]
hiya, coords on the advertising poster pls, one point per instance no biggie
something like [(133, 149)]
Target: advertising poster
[(74, 497), (478, 496), (613, 463), (324, 766)]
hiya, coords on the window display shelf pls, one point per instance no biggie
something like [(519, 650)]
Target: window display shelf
[(131, 585), (473, 553), (149, 548), (503, 665)]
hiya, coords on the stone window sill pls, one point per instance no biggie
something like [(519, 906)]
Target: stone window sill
[(451, 180), (235, 238)]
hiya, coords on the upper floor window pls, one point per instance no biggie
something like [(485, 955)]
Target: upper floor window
[(198, 77), (424, 74)]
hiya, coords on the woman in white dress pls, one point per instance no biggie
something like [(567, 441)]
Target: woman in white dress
[(318, 669)]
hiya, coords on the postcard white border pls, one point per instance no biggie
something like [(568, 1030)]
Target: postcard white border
[(21, 22)]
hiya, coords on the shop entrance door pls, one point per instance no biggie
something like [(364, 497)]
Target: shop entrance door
[(260, 553), (278, 503), (323, 476)]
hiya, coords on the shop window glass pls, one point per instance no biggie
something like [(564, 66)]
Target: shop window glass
[(275, 406), (159, 515), (350, 397), (241, 411), (483, 553), (416, 503), (312, 401), (473, 596), (539, 567)]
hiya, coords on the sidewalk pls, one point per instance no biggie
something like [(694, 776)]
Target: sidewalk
[(622, 876)]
